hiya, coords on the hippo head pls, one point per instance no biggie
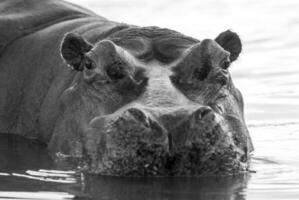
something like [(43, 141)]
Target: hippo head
[(151, 101)]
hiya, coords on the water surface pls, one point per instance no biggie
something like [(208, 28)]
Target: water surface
[(267, 74)]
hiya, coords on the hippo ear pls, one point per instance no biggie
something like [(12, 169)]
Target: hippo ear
[(73, 47), (231, 42)]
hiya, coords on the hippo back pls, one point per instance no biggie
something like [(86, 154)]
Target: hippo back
[(19, 18)]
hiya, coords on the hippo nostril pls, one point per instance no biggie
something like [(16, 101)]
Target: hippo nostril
[(139, 116), (205, 112), (201, 113)]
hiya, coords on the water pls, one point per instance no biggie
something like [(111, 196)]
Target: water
[(266, 73)]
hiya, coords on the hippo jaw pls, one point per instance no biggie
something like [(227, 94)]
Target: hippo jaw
[(178, 118)]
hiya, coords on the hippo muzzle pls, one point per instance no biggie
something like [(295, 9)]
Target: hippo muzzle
[(186, 141)]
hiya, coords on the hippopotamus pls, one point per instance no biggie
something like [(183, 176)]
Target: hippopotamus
[(126, 100)]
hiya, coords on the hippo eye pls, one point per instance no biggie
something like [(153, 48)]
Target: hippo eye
[(89, 64), (218, 109), (225, 64), (221, 96)]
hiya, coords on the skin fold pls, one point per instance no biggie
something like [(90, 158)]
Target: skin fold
[(126, 100)]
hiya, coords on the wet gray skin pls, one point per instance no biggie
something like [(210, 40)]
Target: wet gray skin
[(126, 100), (138, 107)]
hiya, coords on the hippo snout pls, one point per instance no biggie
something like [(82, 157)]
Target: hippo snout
[(183, 141), (170, 127)]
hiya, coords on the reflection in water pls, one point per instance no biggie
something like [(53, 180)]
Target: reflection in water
[(35, 195), (27, 172), (18, 153), (224, 188), (276, 162), (23, 173)]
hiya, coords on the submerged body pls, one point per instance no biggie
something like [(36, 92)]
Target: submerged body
[(128, 100)]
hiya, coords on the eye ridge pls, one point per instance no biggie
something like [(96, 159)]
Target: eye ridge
[(219, 108), (221, 97)]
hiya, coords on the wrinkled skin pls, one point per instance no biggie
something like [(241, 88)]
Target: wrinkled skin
[(136, 101)]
